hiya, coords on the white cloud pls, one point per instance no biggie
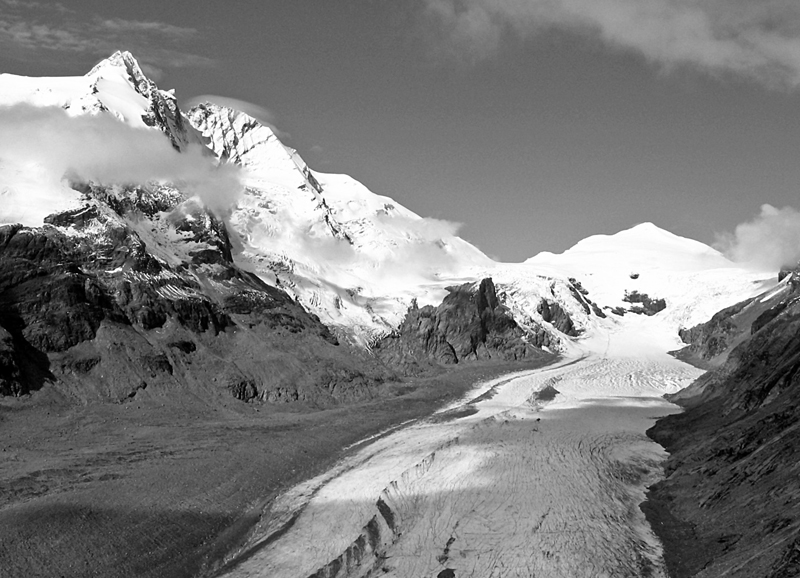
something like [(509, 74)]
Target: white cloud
[(769, 241), (104, 150), (758, 39)]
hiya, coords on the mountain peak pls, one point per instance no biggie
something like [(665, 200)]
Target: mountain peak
[(124, 60), (644, 237), (643, 246), (121, 59)]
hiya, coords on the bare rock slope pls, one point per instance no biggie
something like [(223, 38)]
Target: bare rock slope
[(728, 506)]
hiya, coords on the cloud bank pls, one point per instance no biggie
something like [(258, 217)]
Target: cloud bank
[(759, 39), (103, 150), (769, 241)]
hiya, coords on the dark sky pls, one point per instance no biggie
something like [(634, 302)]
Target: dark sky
[(533, 123)]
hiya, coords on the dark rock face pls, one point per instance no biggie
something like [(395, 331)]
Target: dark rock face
[(581, 295), (554, 314), (642, 303), (90, 306), (9, 371), (711, 339), (733, 476), (470, 324)]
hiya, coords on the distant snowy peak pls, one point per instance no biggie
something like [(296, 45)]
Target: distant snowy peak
[(645, 246), (646, 261), (116, 85)]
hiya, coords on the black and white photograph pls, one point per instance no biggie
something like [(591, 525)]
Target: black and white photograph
[(401, 289)]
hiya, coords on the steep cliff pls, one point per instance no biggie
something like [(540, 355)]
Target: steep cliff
[(729, 503), (469, 325)]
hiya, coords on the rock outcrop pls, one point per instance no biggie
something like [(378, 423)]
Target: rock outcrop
[(469, 325), (729, 503), (554, 314), (643, 304)]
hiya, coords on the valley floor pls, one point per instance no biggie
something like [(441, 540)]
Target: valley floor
[(507, 484), (167, 485)]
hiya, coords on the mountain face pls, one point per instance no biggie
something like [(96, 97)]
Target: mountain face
[(112, 285), (133, 287)]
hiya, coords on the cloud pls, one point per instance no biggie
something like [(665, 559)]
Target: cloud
[(32, 4), (757, 39), (430, 244), (37, 28), (103, 150), (264, 116), (769, 241), (426, 230)]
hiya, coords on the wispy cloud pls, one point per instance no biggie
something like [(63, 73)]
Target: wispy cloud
[(758, 39), (37, 28), (769, 241)]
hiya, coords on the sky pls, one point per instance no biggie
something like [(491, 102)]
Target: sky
[(533, 123)]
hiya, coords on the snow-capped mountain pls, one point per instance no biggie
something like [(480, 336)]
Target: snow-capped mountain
[(116, 86), (355, 259)]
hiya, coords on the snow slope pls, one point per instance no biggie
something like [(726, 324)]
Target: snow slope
[(357, 259), (116, 86), (692, 277)]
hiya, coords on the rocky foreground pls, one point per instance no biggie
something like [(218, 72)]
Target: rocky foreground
[(729, 504)]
